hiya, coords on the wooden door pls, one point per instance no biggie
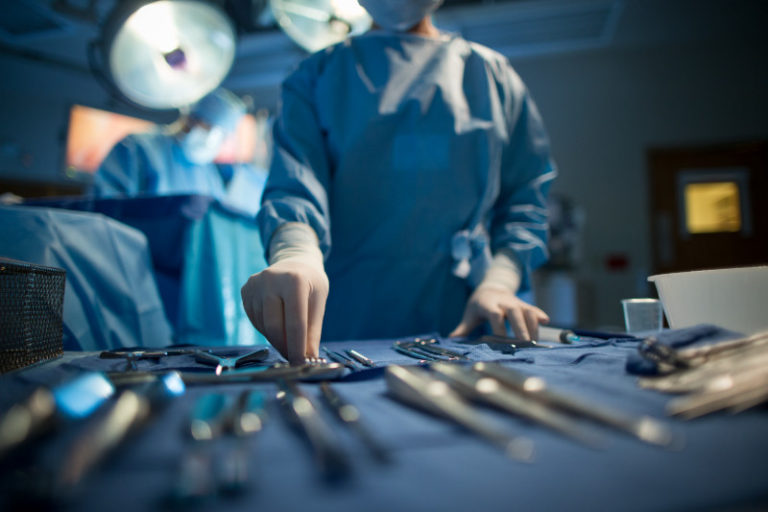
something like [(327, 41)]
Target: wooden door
[(709, 206)]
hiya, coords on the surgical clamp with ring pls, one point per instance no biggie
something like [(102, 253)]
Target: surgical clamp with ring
[(230, 363)]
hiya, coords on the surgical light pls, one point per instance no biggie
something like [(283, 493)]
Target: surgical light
[(315, 24), (167, 53)]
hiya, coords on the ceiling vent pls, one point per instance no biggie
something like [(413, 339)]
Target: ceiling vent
[(526, 28)]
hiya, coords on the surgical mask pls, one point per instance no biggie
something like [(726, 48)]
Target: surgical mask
[(399, 15), (200, 146)]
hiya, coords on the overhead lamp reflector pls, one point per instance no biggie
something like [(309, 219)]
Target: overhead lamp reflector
[(315, 24), (169, 53)]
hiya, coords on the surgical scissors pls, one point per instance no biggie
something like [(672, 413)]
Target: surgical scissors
[(230, 363)]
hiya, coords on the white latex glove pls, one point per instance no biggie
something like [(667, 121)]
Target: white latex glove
[(286, 301), (494, 301)]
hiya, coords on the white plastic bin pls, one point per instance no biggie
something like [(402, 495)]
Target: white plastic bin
[(733, 298)]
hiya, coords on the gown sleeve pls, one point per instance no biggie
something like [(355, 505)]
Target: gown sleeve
[(297, 186), (519, 220), (126, 171)]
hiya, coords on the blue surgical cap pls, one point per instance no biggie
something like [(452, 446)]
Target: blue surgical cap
[(219, 108)]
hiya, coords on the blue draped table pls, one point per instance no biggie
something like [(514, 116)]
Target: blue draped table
[(438, 466)]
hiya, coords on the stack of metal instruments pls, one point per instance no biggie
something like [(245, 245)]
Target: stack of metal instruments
[(730, 375), (428, 350), (449, 390), (250, 366), (91, 418)]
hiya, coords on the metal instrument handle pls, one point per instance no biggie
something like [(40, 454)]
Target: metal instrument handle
[(415, 386), (329, 455), (643, 427), (350, 416), (475, 386)]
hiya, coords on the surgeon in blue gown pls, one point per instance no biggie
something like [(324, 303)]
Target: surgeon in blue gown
[(179, 159), (407, 192)]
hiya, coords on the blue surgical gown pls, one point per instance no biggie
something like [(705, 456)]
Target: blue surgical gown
[(388, 144), (153, 163)]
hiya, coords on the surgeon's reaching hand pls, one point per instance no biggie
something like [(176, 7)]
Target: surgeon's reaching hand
[(494, 301), (286, 301)]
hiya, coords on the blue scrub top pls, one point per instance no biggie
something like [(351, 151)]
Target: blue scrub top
[(387, 144), (154, 163)]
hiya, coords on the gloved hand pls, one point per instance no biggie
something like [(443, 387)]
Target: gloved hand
[(494, 300), (497, 304), (286, 301)]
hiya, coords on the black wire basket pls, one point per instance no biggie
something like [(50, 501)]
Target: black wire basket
[(31, 307)]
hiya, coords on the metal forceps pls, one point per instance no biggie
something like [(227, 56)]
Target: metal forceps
[(230, 363), (131, 356)]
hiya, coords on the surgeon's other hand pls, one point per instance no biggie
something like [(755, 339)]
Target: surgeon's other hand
[(497, 304), (286, 303)]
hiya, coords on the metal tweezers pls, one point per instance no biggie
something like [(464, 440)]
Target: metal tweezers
[(301, 412), (350, 416), (421, 356)]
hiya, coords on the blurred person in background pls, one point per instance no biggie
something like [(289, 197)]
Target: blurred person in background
[(179, 158)]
